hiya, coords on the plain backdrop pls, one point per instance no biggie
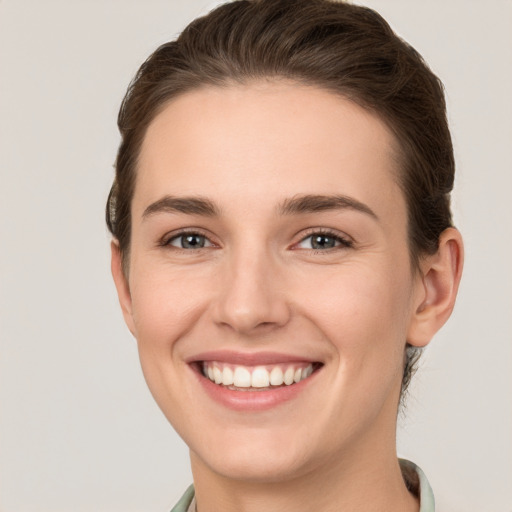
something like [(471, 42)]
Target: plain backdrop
[(78, 429)]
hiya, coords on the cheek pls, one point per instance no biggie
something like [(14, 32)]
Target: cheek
[(165, 308), (165, 304), (362, 311)]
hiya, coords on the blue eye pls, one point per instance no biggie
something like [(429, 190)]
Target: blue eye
[(323, 241), (189, 241)]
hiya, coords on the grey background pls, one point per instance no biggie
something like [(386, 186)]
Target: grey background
[(78, 428)]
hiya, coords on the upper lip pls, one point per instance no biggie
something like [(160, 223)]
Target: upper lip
[(248, 358)]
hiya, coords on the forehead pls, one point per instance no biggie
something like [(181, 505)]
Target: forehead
[(266, 138)]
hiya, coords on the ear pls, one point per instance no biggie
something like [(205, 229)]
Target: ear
[(122, 286), (440, 275)]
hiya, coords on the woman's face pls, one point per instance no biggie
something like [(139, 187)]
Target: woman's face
[(269, 241)]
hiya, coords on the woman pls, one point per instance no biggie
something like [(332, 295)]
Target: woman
[(283, 249)]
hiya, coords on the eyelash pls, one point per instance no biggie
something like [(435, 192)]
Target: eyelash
[(166, 240), (344, 243)]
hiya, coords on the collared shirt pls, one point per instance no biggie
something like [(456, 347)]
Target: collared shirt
[(414, 477)]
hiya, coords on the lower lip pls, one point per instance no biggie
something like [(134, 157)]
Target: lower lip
[(253, 400)]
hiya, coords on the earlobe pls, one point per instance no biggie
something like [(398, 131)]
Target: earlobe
[(122, 287), (440, 278)]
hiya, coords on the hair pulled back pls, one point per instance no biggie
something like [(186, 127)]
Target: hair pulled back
[(346, 49)]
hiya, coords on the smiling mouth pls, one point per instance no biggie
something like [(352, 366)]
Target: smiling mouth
[(257, 378)]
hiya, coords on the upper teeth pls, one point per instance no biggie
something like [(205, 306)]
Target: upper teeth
[(256, 376)]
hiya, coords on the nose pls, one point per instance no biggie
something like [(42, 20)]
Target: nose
[(252, 296)]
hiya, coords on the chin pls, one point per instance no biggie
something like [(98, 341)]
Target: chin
[(249, 466), (260, 457)]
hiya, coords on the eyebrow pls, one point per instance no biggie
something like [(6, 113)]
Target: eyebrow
[(301, 204), (188, 205), (319, 203)]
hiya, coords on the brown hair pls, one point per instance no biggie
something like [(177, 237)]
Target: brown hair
[(346, 49)]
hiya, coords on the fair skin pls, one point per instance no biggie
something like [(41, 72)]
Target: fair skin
[(267, 277)]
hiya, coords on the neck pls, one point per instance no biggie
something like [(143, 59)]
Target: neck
[(363, 479)]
